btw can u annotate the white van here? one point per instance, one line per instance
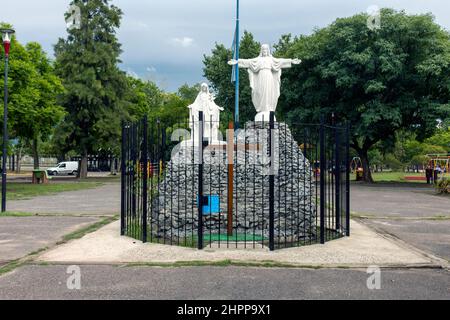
(64, 168)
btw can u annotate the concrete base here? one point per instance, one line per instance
(362, 249)
(263, 117)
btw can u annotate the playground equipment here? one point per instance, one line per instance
(440, 165)
(357, 167)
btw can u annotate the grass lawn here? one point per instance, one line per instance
(20, 191)
(396, 176)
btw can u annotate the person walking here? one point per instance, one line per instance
(429, 174)
(437, 173)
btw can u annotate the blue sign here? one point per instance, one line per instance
(211, 204)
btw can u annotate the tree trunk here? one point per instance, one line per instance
(366, 166)
(111, 163)
(19, 160)
(83, 169)
(35, 153)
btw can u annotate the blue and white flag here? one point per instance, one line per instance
(233, 48)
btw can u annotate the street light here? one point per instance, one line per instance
(6, 37)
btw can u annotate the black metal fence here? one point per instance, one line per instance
(269, 185)
(103, 163)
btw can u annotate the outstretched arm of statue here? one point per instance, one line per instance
(243, 63)
(287, 63)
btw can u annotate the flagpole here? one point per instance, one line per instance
(236, 114)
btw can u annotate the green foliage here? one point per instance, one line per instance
(383, 81)
(172, 110)
(95, 87)
(392, 162)
(189, 93)
(143, 97)
(33, 88)
(441, 139)
(376, 157)
(380, 81)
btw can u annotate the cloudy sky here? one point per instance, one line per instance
(165, 40)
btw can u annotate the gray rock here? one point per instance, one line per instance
(175, 199)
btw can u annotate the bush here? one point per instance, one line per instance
(443, 186)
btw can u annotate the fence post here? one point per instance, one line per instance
(134, 171)
(271, 185)
(200, 182)
(145, 182)
(322, 180)
(347, 180)
(230, 194)
(122, 181)
(337, 180)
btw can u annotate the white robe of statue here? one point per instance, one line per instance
(265, 80)
(211, 116)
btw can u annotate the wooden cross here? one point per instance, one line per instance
(231, 148)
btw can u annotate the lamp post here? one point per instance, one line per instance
(6, 37)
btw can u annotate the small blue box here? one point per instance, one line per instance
(212, 206)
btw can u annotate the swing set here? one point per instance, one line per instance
(356, 166)
(441, 163)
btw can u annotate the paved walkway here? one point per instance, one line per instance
(109, 282)
(61, 214)
(24, 235)
(398, 200)
(413, 213)
(104, 200)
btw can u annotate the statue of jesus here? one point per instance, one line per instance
(265, 80)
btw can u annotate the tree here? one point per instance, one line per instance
(38, 120)
(95, 87)
(382, 81)
(218, 72)
(441, 138)
(33, 108)
(189, 93)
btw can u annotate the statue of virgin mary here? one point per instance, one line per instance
(211, 116)
(265, 80)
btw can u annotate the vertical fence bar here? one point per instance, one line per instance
(337, 180)
(322, 181)
(200, 182)
(145, 183)
(271, 185)
(122, 182)
(347, 182)
(164, 181)
(133, 179)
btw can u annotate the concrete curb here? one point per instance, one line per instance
(365, 248)
(247, 264)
